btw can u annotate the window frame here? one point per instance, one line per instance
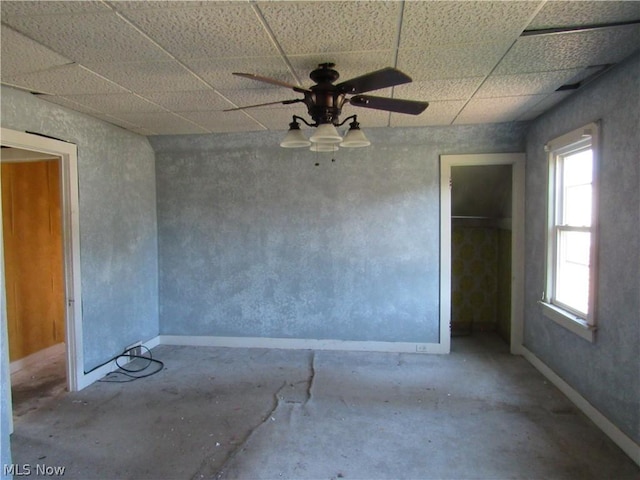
(565, 315)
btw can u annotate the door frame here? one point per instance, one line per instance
(517, 161)
(68, 157)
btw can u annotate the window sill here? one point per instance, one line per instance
(569, 321)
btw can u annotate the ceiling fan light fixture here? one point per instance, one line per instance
(324, 147)
(355, 138)
(294, 137)
(326, 133)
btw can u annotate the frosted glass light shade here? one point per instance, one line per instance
(324, 147)
(355, 138)
(326, 133)
(295, 139)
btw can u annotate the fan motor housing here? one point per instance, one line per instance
(325, 101)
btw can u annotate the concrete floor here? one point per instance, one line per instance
(221, 413)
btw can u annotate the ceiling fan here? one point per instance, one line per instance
(324, 100)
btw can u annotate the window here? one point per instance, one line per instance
(571, 238)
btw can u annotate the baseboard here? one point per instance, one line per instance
(629, 447)
(88, 378)
(302, 344)
(38, 357)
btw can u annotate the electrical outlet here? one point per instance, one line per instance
(134, 350)
(422, 348)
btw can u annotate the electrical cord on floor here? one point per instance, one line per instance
(130, 374)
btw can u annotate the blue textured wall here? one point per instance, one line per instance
(118, 229)
(607, 372)
(257, 241)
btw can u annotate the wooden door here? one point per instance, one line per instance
(32, 228)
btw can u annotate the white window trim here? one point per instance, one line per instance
(584, 327)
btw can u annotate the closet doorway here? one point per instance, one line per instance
(482, 243)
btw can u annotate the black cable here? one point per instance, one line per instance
(129, 372)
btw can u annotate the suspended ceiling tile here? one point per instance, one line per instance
(441, 89)
(450, 61)
(89, 37)
(64, 80)
(138, 4)
(437, 113)
(219, 72)
(15, 8)
(348, 65)
(570, 50)
(115, 103)
(22, 55)
(221, 29)
(190, 101)
(572, 13)
(525, 83)
(470, 22)
(315, 27)
(246, 97)
(66, 102)
(162, 123)
(545, 104)
(150, 76)
(278, 119)
(221, 122)
(496, 110)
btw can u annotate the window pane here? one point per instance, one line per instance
(578, 168)
(577, 206)
(572, 275)
(577, 173)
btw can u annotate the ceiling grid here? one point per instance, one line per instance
(166, 67)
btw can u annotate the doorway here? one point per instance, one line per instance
(33, 275)
(58, 159)
(482, 245)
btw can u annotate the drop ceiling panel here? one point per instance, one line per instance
(161, 123)
(219, 72)
(89, 37)
(494, 110)
(469, 22)
(317, 27)
(115, 103)
(15, 8)
(450, 61)
(190, 101)
(572, 13)
(221, 29)
(525, 83)
(22, 55)
(570, 50)
(223, 122)
(64, 80)
(150, 76)
(542, 106)
(277, 119)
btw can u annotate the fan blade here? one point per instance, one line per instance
(411, 107)
(387, 77)
(272, 81)
(283, 102)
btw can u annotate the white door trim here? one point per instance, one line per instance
(67, 152)
(517, 160)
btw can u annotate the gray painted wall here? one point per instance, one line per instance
(258, 241)
(118, 230)
(607, 372)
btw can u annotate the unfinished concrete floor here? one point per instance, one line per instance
(478, 413)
